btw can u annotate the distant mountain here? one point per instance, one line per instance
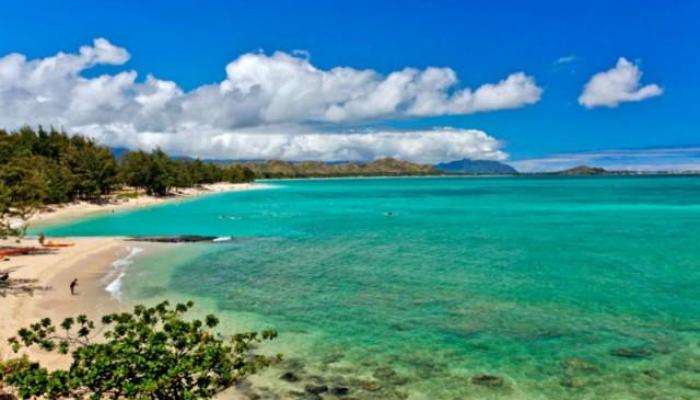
(383, 167)
(467, 166)
(582, 170)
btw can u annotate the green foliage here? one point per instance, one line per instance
(383, 167)
(94, 168)
(152, 353)
(153, 172)
(51, 167)
(40, 167)
(157, 174)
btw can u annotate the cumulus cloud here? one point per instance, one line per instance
(267, 103)
(617, 85)
(292, 142)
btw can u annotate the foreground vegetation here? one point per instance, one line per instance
(152, 353)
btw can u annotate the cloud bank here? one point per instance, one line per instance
(617, 85)
(266, 107)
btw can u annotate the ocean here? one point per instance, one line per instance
(445, 287)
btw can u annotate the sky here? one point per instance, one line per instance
(540, 84)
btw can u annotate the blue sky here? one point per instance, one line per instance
(482, 42)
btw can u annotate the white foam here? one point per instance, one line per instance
(116, 275)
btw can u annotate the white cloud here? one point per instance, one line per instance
(617, 85)
(269, 103)
(292, 142)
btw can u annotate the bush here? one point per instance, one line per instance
(152, 353)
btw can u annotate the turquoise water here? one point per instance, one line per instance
(545, 282)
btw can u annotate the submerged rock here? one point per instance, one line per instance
(292, 364)
(316, 389)
(173, 239)
(305, 396)
(387, 374)
(339, 391)
(631, 352)
(487, 380)
(289, 377)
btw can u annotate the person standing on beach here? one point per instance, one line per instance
(73, 284)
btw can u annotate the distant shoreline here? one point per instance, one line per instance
(58, 213)
(464, 175)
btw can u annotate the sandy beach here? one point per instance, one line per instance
(40, 283)
(40, 287)
(65, 212)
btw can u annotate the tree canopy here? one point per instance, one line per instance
(39, 166)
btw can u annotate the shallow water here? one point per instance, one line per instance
(576, 288)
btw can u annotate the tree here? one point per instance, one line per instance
(94, 167)
(134, 169)
(5, 211)
(182, 177)
(23, 188)
(152, 353)
(153, 172)
(61, 183)
(160, 173)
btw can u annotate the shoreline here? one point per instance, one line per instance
(40, 282)
(60, 213)
(40, 288)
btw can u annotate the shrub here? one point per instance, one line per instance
(152, 353)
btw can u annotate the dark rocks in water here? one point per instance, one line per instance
(316, 389)
(427, 368)
(339, 391)
(387, 374)
(487, 380)
(289, 377)
(292, 364)
(173, 239)
(631, 352)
